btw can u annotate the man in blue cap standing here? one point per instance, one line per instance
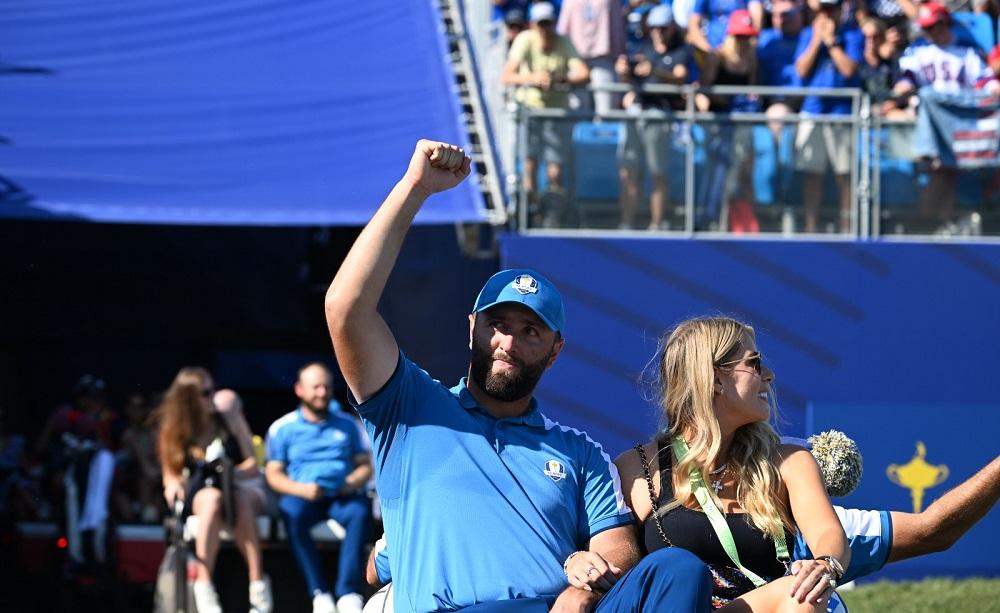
(487, 502)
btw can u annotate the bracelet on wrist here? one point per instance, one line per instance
(568, 558)
(835, 566)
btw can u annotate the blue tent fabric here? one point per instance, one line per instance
(236, 112)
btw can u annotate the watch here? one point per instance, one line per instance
(835, 565)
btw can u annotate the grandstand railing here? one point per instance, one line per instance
(878, 161)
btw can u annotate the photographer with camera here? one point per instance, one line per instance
(662, 58)
(206, 451)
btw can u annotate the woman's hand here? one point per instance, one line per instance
(173, 491)
(814, 581)
(589, 571)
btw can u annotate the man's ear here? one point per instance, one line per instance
(556, 349)
(472, 328)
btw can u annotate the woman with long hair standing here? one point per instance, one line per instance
(717, 481)
(199, 426)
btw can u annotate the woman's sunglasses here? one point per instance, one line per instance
(753, 361)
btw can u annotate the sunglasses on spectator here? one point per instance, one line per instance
(753, 361)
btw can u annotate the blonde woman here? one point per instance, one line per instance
(717, 449)
(197, 424)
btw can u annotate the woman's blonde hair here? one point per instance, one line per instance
(685, 382)
(181, 416)
(730, 52)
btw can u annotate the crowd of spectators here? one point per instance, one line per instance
(34, 474)
(888, 48)
(92, 467)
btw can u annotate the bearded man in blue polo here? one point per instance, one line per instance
(488, 503)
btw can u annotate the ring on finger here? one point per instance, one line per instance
(591, 570)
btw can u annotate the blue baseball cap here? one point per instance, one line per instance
(526, 287)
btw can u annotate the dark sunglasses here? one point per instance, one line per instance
(753, 361)
(207, 392)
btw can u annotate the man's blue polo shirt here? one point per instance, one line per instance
(825, 73)
(320, 453)
(480, 509)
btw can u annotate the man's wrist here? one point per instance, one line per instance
(415, 189)
(835, 566)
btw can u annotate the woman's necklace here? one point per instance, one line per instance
(717, 475)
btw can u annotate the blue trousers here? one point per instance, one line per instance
(669, 580)
(351, 512)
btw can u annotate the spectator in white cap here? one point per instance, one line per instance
(663, 58)
(544, 65)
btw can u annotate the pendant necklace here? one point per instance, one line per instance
(717, 476)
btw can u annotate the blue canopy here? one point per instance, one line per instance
(236, 112)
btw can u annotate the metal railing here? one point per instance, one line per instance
(866, 140)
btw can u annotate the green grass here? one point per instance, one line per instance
(929, 596)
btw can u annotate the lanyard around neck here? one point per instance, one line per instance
(718, 520)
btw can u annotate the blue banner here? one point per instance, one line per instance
(239, 112)
(914, 453)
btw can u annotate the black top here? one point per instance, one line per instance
(691, 530)
(213, 474)
(720, 104)
(674, 55)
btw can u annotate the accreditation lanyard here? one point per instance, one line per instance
(718, 520)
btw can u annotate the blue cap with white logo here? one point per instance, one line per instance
(525, 287)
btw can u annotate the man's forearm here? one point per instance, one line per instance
(280, 482)
(359, 283)
(947, 518)
(357, 478)
(804, 65)
(843, 62)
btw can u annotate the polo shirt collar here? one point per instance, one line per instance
(302, 417)
(532, 417)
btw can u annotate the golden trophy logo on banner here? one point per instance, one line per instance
(917, 476)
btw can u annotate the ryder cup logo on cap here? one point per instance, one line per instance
(555, 470)
(527, 287)
(525, 284)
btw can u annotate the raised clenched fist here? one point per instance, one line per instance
(436, 167)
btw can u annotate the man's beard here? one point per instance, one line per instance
(318, 407)
(504, 386)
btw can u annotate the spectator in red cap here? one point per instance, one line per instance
(994, 61)
(729, 147)
(947, 68)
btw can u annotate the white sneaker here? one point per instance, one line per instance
(350, 603)
(205, 598)
(261, 600)
(322, 603)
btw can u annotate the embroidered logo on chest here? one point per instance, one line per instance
(338, 436)
(555, 470)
